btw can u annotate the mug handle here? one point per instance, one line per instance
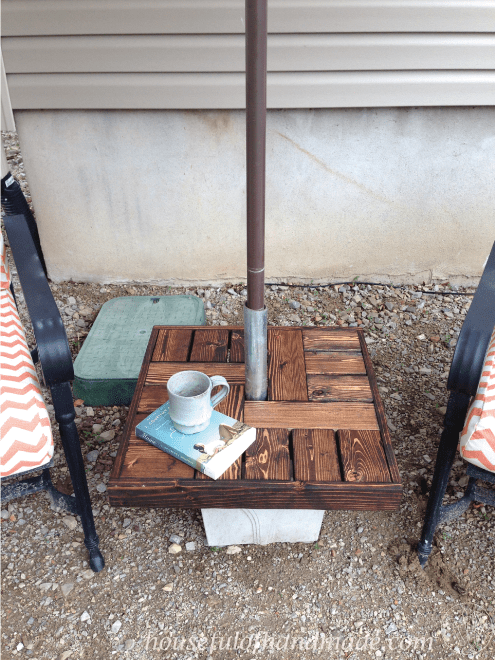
(215, 382)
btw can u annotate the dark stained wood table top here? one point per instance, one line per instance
(322, 438)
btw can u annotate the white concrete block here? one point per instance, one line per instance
(261, 526)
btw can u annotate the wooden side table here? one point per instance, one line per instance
(322, 438)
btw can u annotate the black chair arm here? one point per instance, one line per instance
(51, 338)
(477, 329)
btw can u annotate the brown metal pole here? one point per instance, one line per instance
(256, 37)
(255, 312)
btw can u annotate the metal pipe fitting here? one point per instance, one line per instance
(255, 349)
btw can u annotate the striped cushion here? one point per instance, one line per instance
(26, 439)
(4, 266)
(478, 436)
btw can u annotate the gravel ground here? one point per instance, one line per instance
(357, 593)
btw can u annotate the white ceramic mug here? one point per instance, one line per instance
(191, 403)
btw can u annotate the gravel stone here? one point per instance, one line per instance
(70, 522)
(116, 626)
(233, 550)
(67, 588)
(64, 655)
(92, 455)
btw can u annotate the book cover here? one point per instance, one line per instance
(211, 451)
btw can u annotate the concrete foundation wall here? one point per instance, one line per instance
(159, 196)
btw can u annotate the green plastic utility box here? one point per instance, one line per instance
(107, 367)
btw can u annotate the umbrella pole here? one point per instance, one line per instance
(255, 312)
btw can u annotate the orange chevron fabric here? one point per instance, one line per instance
(4, 268)
(477, 441)
(25, 435)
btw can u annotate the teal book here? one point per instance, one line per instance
(211, 451)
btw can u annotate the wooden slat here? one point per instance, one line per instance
(237, 346)
(66, 17)
(315, 455)
(131, 423)
(380, 413)
(335, 363)
(286, 369)
(142, 459)
(196, 327)
(153, 397)
(210, 345)
(195, 91)
(363, 458)
(339, 388)
(172, 345)
(300, 415)
(244, 494)
(233, 406)
(160, 372)
(331, 340)
(268, 457)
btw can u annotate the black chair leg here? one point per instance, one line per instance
(65, 414)
(454, 421)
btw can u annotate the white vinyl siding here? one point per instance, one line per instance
(285, 90)
(72, 17)
(225, 53)
(180, 54)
